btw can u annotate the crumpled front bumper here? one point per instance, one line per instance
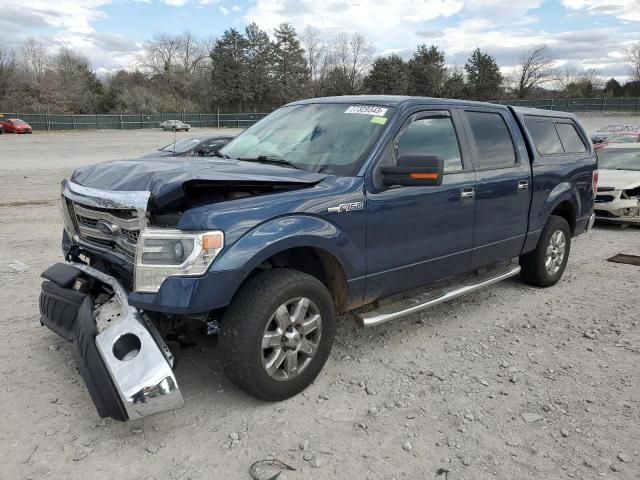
(122, 358)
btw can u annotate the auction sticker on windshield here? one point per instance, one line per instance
(367, 110)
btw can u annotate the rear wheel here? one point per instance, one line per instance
(545, 265)
(277, 334)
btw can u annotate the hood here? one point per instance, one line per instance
(619, 179)
(172, 180)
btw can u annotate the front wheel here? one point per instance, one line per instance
(277, 333)
(545, 265)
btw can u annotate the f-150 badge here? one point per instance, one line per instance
(346, 207)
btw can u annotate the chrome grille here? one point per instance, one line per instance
(123, 241)
(106, 220)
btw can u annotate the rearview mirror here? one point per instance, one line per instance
(414, 171)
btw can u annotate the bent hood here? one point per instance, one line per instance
(167, 178)
(619, 179)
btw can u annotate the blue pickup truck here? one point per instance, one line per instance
(380, 205)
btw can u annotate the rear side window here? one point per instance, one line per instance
(570, 138)
(553, 137)
(545, 137)
(494, 147)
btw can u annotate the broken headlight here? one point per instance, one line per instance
(630, 194)
(164, 253)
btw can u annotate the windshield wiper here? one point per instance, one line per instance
(220, 155)
(272, 159)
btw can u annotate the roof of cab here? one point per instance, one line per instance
(392, 101)
(539, 112)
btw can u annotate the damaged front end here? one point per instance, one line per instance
(618, 205)
(122, 358)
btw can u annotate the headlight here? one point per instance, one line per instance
(164, 253)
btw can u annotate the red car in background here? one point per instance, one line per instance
(622, 137)
(15, 125)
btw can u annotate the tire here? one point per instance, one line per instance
(255, 316)
(542, 270)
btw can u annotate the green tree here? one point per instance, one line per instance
(258, 66)
(483, 76)
(427, 72)
(290, 68)
(454, 86)
(229, 70)
(388, 75)
(613, 88)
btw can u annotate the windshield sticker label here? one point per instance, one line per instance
(379, 120)
(367, 110)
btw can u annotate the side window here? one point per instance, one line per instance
(494, 146)
(570, 138)
(545, 137)
(431, 136)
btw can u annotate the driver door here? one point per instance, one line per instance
(421, 234)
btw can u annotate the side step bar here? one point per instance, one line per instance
(425, 300)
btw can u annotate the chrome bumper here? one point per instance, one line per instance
(137, 359)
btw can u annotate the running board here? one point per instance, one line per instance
(429, 299)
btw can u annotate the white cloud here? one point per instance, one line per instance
(236, 8)
(627, 10)
(70, 15)
(176, 3)
(224, 10)
(372, 17)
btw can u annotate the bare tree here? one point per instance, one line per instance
(534, 69)
(315, 49)
(178, 60)
(8, 70)
(633, 57)
(352, 55)
(34, 60)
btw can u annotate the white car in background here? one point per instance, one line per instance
(175, 125)
(618, 196)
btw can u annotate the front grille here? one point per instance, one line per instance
(604, 198)
(109, 229)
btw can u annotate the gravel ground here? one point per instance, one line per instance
(511, 382)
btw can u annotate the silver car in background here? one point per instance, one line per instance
(174, 125)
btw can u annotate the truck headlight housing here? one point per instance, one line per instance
(163, 253)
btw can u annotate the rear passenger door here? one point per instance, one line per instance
(503, 182)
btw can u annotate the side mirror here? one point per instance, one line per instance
(415, 171)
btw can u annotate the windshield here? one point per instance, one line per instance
(328, 138)
(619, 159)
(18, 122)
(183, 145)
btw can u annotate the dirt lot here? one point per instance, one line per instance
(512, 382)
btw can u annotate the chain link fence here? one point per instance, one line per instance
(576, 105)
(54, 121)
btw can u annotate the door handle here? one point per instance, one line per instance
(523, 184)
(467, 192)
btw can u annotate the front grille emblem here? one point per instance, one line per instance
(108, 228)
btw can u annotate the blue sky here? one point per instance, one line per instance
(580, 33)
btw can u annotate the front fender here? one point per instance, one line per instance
(287, 232)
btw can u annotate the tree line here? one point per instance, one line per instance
(249, 70)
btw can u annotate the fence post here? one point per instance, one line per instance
(218, 117)
(637, 103)
(73, 122)
(120, 120)
(238, 119)
(200, 119)
(48, 121)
